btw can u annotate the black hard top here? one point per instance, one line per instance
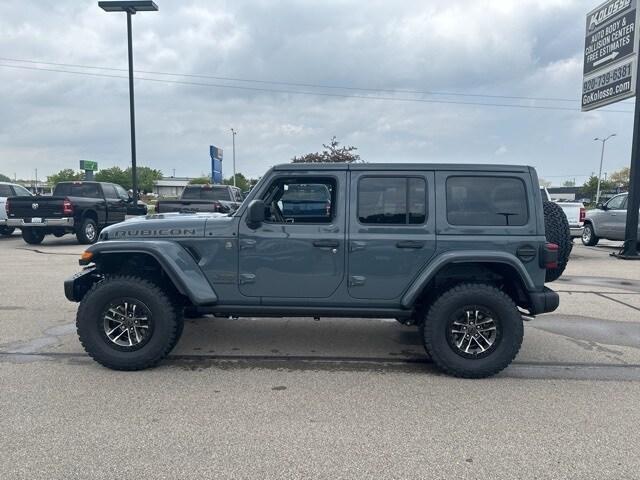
(477, 167)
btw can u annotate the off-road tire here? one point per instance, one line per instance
(557, 231)
(179, 328)
(6, 231)
(164, 315)
(470, 295)
(32, 236)
(589, 238)
(87, 233)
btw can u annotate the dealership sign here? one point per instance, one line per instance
(610, 51)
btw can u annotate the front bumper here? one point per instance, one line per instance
(77, 286)
(66, 222)
(543, 302)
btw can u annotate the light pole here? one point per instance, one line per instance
(131, 7)
(233, 135)
(603, 140)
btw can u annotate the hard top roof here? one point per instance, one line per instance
(472, 167)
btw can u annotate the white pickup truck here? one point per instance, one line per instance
(574, 211)
(8, 190)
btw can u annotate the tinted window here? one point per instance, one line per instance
(110, 191)
(21, 191)
(617, 203)
(206, 193)
(5, 191)
(486, 201)
(392, 200)
(87, 190)
(122, 193)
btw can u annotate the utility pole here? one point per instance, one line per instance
(603, 140)
(36, 186)
(233, 135)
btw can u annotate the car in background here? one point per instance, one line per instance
(607, 221)
(81, 208)
(574, 211)
(305, 203)
(203, 199)
(8, 190)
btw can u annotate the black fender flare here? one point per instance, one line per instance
(416, 288)
(176, 262)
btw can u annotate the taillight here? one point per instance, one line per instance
(67, 207)
(583, 214)
(6, 206)
(551, 255)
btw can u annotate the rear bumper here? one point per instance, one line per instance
(46, 222)
(543, 302)
(576, 231)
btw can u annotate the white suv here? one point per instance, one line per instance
(8, 190)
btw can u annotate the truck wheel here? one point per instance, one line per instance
(127, 323)
(589, 237)
(557, 231)
(88, 231)
(7, 231)
(32, 236)
(473, 331)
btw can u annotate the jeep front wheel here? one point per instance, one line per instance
(473, 331)
(127, 323)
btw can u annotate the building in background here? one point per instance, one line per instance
(170, 186)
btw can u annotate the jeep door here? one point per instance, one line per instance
(295, 256)
(391, 231)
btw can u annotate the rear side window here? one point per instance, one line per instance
(86, 190)
(21, 191)
(109, 191)
(486, 201)
(5, 191)
(392, 200)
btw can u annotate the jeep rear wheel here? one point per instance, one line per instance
(127, 323)
(473, 331)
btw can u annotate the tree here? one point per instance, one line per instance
(4, 178)
(569, 183)
(114, 175)
(65, 175)
(242, 182)
(200, 181)
(544, 183)
(146, 178)
(332, 153)
(590, 187)
(620, 178)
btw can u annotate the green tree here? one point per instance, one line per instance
(200, 181)
(4, 178)
(146, 178)
(332, 153)
(115, 175)
(242, 182)
(590, 187)
(65, 175)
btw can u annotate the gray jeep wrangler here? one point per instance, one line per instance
(458, 250)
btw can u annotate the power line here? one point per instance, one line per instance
(307, 93)
(294, 84)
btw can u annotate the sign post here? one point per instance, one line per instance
(611, 58)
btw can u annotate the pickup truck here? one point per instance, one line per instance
(82, 208)
(8, 190)
(574, 211)
(203, 198)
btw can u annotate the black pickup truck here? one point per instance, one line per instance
(203, 198)
(82, 208)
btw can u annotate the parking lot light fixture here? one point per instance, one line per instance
(130, 7)
(603, 140)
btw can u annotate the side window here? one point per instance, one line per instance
(122, 193)
(392, 200)
(21, 191)
(89, 190)
(617, 203)
(300, 200)
(110, 192)
(5, 191)
(486, 201)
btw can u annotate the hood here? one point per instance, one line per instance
(164, 225)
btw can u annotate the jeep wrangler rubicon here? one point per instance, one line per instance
(458, 250)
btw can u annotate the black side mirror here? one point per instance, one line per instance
(255, 213)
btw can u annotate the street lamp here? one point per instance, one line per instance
(603, 140)
(233, 134)
(130, 7)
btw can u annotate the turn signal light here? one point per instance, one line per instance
(86, 257)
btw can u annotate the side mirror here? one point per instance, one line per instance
(255, 213)
(601, 206)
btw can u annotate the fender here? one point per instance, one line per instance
(470, 256)
(177, 263)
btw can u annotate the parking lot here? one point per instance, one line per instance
(296, 398)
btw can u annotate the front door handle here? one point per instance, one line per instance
(410, 244)
(326, 243)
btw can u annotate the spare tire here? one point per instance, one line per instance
(557, 231)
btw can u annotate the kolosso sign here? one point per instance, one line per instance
(610, 51)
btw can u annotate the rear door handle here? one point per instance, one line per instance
(326, 243)
(410, 244)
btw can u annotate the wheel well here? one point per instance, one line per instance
(501, 275)
(140, 265)
(90, 214)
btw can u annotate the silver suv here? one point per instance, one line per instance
(607, 221)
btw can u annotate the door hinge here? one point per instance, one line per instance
(247, 278)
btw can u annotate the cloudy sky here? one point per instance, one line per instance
(394, 79)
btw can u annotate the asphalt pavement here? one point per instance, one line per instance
(334, 398)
